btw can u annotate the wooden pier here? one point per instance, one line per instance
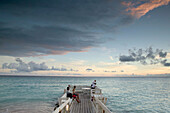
(67, 105)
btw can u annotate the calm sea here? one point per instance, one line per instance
(125, 95)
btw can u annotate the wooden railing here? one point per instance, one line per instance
(99, 101)
(63, 103)
(62, 107)
(100, 107)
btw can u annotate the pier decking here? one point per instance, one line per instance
(67, 105)
(84, 107)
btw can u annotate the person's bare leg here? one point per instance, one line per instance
(77, 100)
(92, 98)
(78, 96)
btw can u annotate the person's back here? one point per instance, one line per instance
(93, 85)
(68, 93)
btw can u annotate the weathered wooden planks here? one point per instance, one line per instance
(84, 107)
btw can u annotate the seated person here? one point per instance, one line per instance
(93, 85)
(75, 95)
(68, 93)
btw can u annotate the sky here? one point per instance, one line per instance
(85, 37)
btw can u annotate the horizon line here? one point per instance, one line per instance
(137, 76)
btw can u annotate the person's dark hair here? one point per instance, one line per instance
(74, 86)
(68, 88)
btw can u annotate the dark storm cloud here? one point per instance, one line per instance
(21, 66)
(148, 56)
(41, 27)
(44, 40)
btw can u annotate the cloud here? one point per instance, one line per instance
(109, 71)
(21, 66)
(166, 64)
(44, 40)
(18, 60)
(122, 71)
(148, 56)
(124, 58)
(37, 28)
(89, 70)
(63, 69)
(162, 54)
(141, 7)
(10, 66)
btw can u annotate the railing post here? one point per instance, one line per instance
(105, 101)
(100, 108)
(67, 108)
(59, 101)
(63, 110)
(97, 107)
(65, 90)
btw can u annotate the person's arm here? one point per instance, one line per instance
(73, 91)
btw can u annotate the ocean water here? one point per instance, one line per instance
(125, 95)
